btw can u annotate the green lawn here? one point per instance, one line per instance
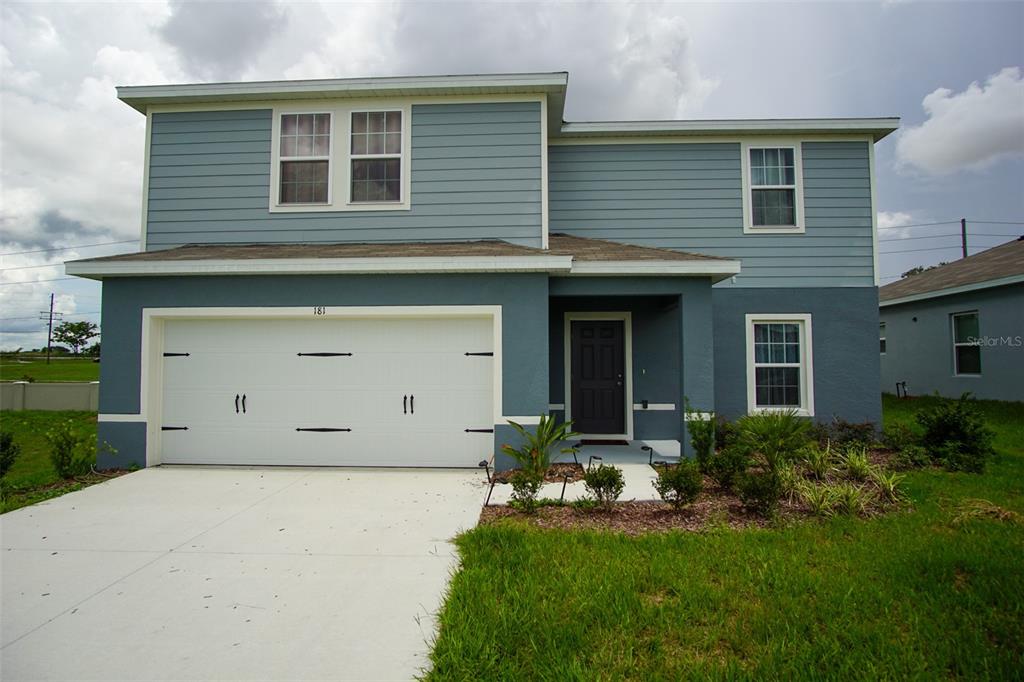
(32, 478)
(59, 369)
(907, 595)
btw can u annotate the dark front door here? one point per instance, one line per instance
(598, 376)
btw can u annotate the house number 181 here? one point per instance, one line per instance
(319, 310)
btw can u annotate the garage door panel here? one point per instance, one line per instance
(392, 359)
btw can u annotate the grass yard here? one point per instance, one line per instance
(32, 478)
(905, 595)
(59, 369)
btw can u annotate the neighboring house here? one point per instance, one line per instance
(957, 328)
(384, 271)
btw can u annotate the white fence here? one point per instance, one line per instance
(71, 395)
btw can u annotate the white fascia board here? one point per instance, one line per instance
(139, 97)
(877, 127)
(320, 266)
(1002, 281)
(717, 269)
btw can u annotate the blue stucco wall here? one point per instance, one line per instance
(844, 325)
(689, 196)
(919, 345)
(523, 298)
(476, 172)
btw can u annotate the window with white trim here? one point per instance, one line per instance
(773, 186)
(966, 348)
(376, 157)
(305, 159)
(881, 338)
(779, 370)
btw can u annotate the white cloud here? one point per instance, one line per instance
(889, 219)
(970, 129)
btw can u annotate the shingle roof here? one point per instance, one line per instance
(997, 263)
(579, 248)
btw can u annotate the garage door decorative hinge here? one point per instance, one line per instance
(487, 354)
(479, 430)
(322, 429)
(323, 355)
(174, 428)
(176, 355)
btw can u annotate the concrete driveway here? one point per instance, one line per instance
(209, 573)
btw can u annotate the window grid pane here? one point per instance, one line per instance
(305, 135)
(304, 182)
(777, 366)
(377, 134)
(772, 167)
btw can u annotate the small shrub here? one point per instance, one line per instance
(27, 377)
(584, 504)
(855, 463)
(679, 485)
(888, 484)
(702, 434)
(725, 433)
(850, 499)
(759, 490)
(911, 457)
(605, 484)
(535, 452)
(776, 435)
(819, 499)
(789, 481)
(726, 464)
(818, 460)
(899, 437)
(71, 452)
(9, 451)
(973, 509)
(956, 433)
(842, 433)
(525, 487)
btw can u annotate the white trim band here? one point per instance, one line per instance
(122, 418)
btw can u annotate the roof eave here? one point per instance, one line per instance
(878, 128)
(949, 291)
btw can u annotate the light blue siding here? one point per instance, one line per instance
(689, 197)
(476, 174)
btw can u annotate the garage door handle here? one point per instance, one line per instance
(405, 406)
(236, 403)
(412, 405)
(243, 403)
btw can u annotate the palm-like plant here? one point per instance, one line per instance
(534, 455)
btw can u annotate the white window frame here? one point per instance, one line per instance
(955, 345)
(806, 408)
(350, 157)
(340, 164)
(748, 198)
(282, 159)
(881, 338)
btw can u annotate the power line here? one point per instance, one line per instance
(934, 248)
(943, 236)
(900, 227)
(30, 267)
(68, 248)
(11, 319)
(997, 222)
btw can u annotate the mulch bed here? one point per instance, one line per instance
(556, 473)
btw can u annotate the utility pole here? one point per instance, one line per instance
(963, 235)
(44, 315)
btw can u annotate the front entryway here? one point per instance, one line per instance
(598, 376)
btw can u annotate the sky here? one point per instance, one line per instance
(71, 154)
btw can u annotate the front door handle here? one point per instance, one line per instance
(236, 403)
(243, 403)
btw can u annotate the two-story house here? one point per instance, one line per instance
(384, 271)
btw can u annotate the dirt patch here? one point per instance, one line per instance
(556, 473)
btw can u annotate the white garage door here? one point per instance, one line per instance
(328, 392)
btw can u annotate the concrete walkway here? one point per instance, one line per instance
(206, 573)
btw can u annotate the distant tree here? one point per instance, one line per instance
(93, 351)
(919, 269)
(75, 334)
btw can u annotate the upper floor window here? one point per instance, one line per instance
(773, 192)
(376, 156)
(881, 338)
(779, 363)
(966, 346)
(341, 156)
(305, 158)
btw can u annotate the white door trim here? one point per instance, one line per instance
(151, 369)
(627, 323)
